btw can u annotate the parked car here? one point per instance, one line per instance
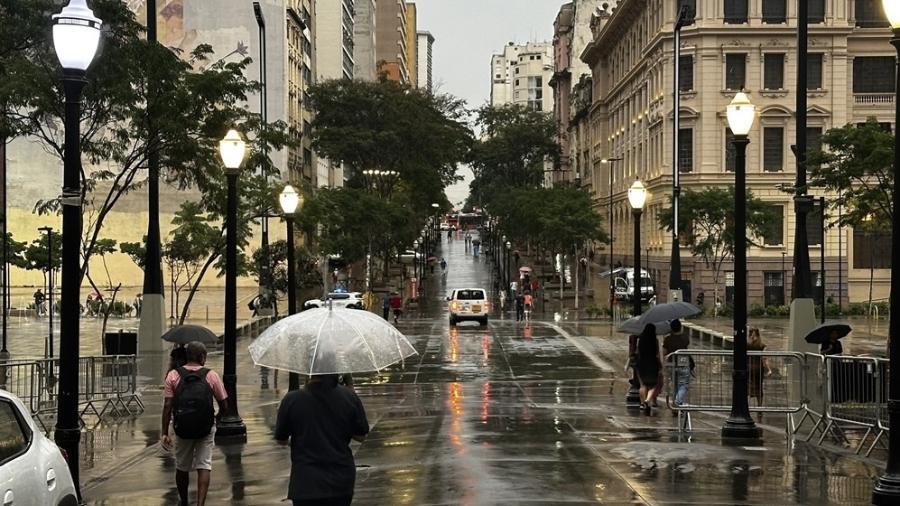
(445, 226)
(624, 283)
(33, 471)
(349, 300)
(468, 304)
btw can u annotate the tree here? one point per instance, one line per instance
(707, 220)
(516, 144)
(305, 265)
(36, 256)
(858, 168)
(103, 247)
(130, 81)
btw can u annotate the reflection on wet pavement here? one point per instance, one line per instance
(504, 414)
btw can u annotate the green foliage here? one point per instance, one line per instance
(136, 251)
(597, 311)
(305, 265)
(858, 166)
(15, 252)
(36, 256)
(707, 218)
(516, 143)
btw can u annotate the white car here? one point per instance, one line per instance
(349, 300)
(468, 304)
(33, 471)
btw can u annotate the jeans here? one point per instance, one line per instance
(682, 381)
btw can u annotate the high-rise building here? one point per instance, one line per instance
(521, 75)
(850, 71)
(390, 39)
(334, 39)
(412, 44)
(299, 44)
(364, 29)
(425, 43)
(571, 33)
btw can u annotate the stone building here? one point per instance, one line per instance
(521, 75)
(391, 38)
(425, 41)
(733, 45)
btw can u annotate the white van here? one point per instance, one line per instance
(624, 283)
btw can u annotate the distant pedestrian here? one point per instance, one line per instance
(502, 300)
(476, 247)
(757, 364)
(189, 392)
(386, 306)
(701, 298)
(649, 366)
(318, 421)
(520, 307)
(443, 266)
(528, 304)
(833, 345)
(39, 308)
(177, 357)
(138, 304)
(675, 341)
(397, 306)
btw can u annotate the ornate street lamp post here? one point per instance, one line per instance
(637, 197)
(76, 35)
(49, 231)
(508, 274)
(612, 278)
(741, 114)
(232, 149)
(290, 200)
(887, 488)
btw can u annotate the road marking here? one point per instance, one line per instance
(601, 364)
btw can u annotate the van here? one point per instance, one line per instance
(624, 285)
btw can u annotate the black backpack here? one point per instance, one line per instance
(193, 405)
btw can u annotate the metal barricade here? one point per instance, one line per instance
(709, 385)
(855, 394)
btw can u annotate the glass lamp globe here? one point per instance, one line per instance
(892, 11)
(637, 195)
(232, 149)
(741, 114)
(76, 35)
(290, 200)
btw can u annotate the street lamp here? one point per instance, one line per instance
(416, 259)
(685, 17)
(612, 279)
(740, 113)
(76, 35)
(887, 488)
(637, 197)
(508, 280)
(290, 200)
(232, 149)
(49, 231)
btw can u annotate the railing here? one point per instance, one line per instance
(107, 386)
(873, 98)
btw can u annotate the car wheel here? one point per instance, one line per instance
(69, 500)
(452, 321)
(483, 321)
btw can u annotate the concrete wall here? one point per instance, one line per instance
(364, 27)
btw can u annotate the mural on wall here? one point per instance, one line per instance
(170, 23)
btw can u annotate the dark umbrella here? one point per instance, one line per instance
(820, 334)
(184, 334)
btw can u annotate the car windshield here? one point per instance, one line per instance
(470, 295)
(338, 296)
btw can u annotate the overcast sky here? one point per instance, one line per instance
(467, 33)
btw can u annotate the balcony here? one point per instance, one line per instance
(873, 99)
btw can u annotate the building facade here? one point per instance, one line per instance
(364, 28)
(734, 45)
(425, 43)
(390, 39)
(412, 44)
(521, 75)
(334, 39)
(571, 34)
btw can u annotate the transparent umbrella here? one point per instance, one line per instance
(331, 341)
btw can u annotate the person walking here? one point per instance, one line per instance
(649, 366)
(757, 364)
(318, 421)
(502, 301)
(528, 304)
(443, 266)
(675, 341)
(397, 306)
(520, 307)
(386, 306)
(189, 392)
(833, 345)
(39, 298)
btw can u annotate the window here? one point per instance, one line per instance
(774, 233)
(14, 435)
(871, 249)
(730, 152)
(814, 71)
(686, 73)
(870, 14)
(873, 74)
(773, 71)
(735, 71)
(884, 126)
(773, 288)
(814, 224)
(813, 142)
(816, 11)
(517, 82)
(470, 295)
(685, 149)
(729, 287)
(774, 11)
(735, 11)
(773, 149)
(691, 10)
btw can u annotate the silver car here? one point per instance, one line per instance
(349, 300)
(33, 471)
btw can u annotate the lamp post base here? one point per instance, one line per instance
(741, 428)
(887, 490)
(231, 429)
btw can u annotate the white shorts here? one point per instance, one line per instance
(191, 454)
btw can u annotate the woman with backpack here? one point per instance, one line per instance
(649, 366)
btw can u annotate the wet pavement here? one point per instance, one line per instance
(507, 414)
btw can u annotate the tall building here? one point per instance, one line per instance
(850, 78)
(521, 75)
(412, 44)
(300, 19)
(571, 33)
(334, 39)
(390, 39)
(364, 29)
(425, 43)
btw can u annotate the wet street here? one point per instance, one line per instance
(504, 414)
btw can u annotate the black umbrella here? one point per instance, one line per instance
(184, 334)
(820, 334)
